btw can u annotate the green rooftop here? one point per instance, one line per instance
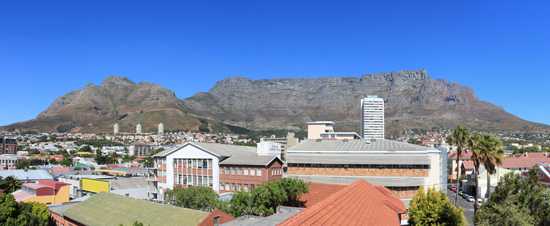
(106, 209)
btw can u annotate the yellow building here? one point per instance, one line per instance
(43, 191)
(94, 185)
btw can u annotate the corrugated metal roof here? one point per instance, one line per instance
(237, 155)
(365, 159)
(108, 208)
(229, 154)
(282, 214)
(26, 174)
(356, 145)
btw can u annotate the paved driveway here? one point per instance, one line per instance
(468, 207)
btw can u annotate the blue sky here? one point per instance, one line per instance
(499, 48)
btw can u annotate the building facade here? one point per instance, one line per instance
(372, 118)
(8, 146)
(222, 167)
(315, 129)
(401, 167)
(43, 191)
(9, 161)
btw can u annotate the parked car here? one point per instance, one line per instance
(470, 198)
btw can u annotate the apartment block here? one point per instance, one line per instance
(372, 118)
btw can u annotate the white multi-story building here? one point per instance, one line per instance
(116, 129)
(372, 118)
(222, 167)
(161, 129)
(139, 128)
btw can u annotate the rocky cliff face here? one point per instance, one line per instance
(413, 100)
(117, 99)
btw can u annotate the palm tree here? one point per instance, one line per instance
(486, 151)
(474, 144)
(492, 154)
(458, 138)
(10, 184)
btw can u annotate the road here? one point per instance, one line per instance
(468, 207)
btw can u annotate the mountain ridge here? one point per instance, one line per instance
(413, 100)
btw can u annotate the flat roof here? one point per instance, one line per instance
(108, 208)
(379, 145)
(320, 122)
(26, 174)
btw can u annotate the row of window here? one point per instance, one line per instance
(193, 180)
(194, 163)
(236, 187)
(410, 188)
(368, 166)
(276, 171)
(241, 171)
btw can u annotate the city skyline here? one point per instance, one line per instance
(50, 49)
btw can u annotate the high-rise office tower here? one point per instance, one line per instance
(372, 118)
(161, 129)
(138, 128)
(115, 129)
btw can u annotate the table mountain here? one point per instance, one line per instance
(413, 100)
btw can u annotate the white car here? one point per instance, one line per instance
(470, 199)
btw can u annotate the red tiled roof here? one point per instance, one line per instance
(318, 192)
(528, 160)
(468, 164)
(357, 204)
(51, 184)
(60, 169)
(463, 155)
(223, 218)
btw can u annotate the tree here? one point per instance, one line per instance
(293, 189)
(86, 148)
(8, 208)
(487, 151)
(9, 184)
(433, 208)
(264, 200)
(23, 164)
(199, 198)
(458, 138)
(491, 154)
(12, 213)
(517, 200)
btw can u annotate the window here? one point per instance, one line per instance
(258, 172)
(245, 171)
(252, 172)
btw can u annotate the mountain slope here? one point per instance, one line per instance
(413, 100)
(117, 99)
